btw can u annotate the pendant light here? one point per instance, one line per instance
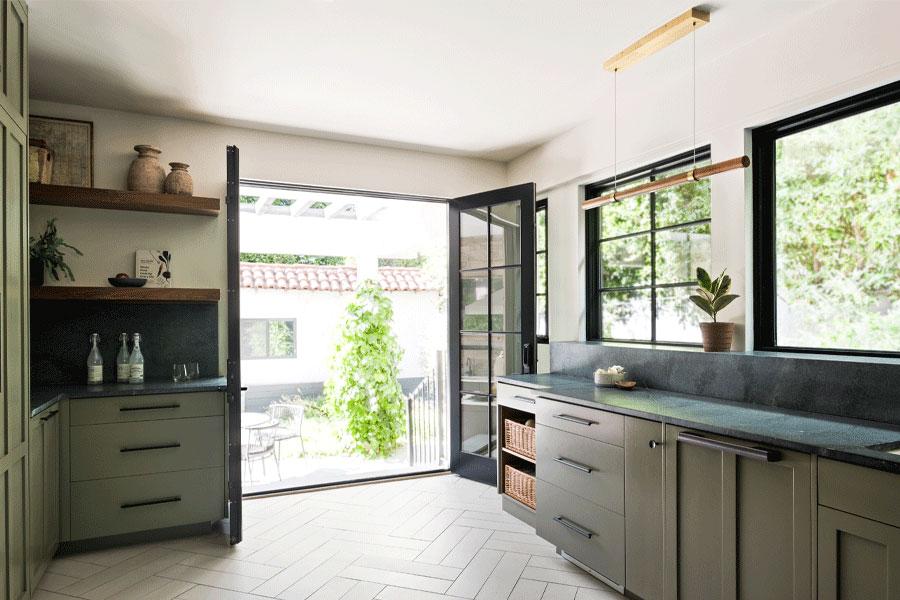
(659, 38)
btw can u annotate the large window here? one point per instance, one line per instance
(268, 338)
(542, 321)
(827, 228)
(642, 256)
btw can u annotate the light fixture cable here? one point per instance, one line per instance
(615, 131)
(694, 90)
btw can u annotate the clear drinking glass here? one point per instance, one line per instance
(180, 372)
(192, 369)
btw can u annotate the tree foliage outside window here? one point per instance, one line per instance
(837, 234)
(291, 259)
(268, 338)
(363, 386)
(646, 253)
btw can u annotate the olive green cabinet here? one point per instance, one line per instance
(859, 533)
(43, 491)
(644, 464)
(738, 521)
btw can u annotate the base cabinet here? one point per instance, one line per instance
(43, 492)
(738, 523)
(644, 464)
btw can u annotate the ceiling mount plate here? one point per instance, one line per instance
(658, 39)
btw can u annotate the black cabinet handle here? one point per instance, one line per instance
(156, 447)
(50, 416)
(157, 407)
(751, 452)
(168, 500)
(575, 465)
(578, 420)
(574, 526)
(525, 399)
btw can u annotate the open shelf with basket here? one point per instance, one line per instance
(517, 459)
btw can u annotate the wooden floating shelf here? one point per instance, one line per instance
(83, 197)
(114, 294)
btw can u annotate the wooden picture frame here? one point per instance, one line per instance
(72, 142)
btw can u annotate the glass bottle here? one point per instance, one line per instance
(94, 362)
(136, 362)
(123, 369)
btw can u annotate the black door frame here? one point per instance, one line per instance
(479, 468)
(233, 209)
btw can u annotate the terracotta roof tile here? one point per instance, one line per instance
(329, 278)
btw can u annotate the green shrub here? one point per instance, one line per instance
(363, 386)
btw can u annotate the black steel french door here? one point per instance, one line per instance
(491, 308)
(233, 211)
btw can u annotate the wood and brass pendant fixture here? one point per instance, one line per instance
(682, 25)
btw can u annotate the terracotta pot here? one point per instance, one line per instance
(145, 173)
(717, 337)
(36, 272)
(179, 181)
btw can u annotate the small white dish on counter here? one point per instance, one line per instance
(609, 377)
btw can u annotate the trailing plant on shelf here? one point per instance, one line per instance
(712, 296)
(45, 254)
(363, 386)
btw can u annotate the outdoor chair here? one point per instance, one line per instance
(260, 446)
(289, 419)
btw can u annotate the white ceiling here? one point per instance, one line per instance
(486, 78)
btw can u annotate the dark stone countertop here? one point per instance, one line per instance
(45, 396)
(830, 437)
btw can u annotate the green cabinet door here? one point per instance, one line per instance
(858, 557)
(644, 508)
(51, 484)
(738, 520)
(35, 500)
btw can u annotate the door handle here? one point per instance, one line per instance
(574, 526)
(156, 447)
(526, 358)
(578, 420)
(575, 465)
(751, 452)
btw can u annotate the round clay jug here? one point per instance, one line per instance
(179, 181)
(145, 173)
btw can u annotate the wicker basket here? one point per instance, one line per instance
(519, 485)
(519, 438)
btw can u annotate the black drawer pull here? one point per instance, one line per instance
(579, 420)
(524, 399)
(157, 407)
(152, 502)
(50, 416)
(751, 452)
(574, 527)
(157, 447)
(575, 465)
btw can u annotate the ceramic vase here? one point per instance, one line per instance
(179, 181)
(145, 173)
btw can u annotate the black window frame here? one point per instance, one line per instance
(541, 205)
(765, 324)
(268, 321)
(593, 289)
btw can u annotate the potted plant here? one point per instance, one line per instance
(45, 254)
(712, 297)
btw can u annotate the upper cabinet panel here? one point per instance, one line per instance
(14, 97)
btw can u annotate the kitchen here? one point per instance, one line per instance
(595, 449)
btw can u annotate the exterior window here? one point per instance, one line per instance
(542, 320)
(826, 223)
(268, 338)
(643, 254)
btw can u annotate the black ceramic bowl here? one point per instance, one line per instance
(127, 281)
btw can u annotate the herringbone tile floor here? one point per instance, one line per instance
(423, 539)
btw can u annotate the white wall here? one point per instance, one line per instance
(839, 50)
(109, 239)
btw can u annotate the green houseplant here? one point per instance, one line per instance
(45, 253)
(363, 386)
(712, 296)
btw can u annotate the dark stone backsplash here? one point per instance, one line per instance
(170, 333)
(846, 387)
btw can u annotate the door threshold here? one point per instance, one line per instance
(344, 484)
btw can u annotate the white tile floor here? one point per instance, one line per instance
(423, 539)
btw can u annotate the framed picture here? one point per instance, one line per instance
(72, 143)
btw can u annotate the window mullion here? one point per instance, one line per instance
(652, 263)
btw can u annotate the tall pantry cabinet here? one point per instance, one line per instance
(14, 375)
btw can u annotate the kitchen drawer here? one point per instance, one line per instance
(123, 409)
(590, 422)
(513, 396)
(860, 491)
(590, 534)
(122, 449)
(128, 504)
(591, 469)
